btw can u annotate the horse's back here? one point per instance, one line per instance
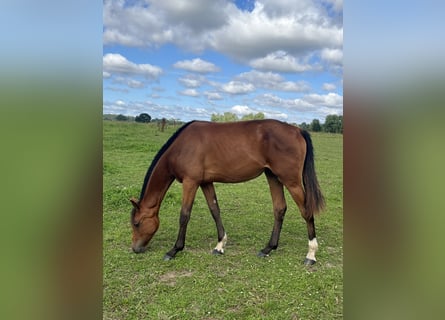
(235, 151)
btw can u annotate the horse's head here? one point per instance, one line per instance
(144, 227)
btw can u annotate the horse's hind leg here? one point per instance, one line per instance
(297, 193)
(209, 192)
(279, 209)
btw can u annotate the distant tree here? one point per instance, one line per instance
(121, 117)
(226, 117)
(333, 124)
(143, 117)
(249, 116)
(252, 116)
(230, 117)
(305, 126)
(216, 117)
(315, 125)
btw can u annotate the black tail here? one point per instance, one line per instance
(313, 199)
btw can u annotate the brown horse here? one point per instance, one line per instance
(201, 153)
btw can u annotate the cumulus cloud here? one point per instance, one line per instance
(280, 61)
(116, 63)
(242, 110)
(296, 27)
(329, 100)
(135, 84)
(198, 15)
(192, 81)
(157, 22)
(189, 92)
(237, 87)
(332, 55)
(211, 95)
(270, 36)
(269, 99)
(309, 102)
(272, 81)
(196, 65)
(329, 86)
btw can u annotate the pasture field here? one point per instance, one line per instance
(197, 284)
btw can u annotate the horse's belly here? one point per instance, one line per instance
(233, 174)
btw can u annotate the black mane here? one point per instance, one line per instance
(159, 155)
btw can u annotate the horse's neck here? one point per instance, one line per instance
(157, 186)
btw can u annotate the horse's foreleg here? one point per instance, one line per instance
(209, 192)
(279, 208)
(188, 195)
(297, 193)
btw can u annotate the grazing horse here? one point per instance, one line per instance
(201, 153)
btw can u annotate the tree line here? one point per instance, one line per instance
(333, 123)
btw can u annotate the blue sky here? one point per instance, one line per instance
(188, 59)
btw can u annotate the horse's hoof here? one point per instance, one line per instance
(261, 254)
(168, 258)
(309, 262)
(217, 252)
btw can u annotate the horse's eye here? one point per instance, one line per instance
(136, 224)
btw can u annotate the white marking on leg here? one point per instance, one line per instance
(313, 247)
(221, 244)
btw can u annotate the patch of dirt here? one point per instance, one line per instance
(170, 277)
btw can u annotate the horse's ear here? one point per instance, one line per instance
(135, 203)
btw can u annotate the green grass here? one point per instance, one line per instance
(197, 284)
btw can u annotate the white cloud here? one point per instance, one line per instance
(189, 92)
(313, 103)
(332, 55)
(272, 81)
(198, 15)
(213, 95)
(295, 27)
(329, 86)
(116, 63)
(276, 115)
(196, 65)
(126, 25)
(275, 101)
(237, 87)
(329, 100)
(242, 110)
(192, 81)
(280, 61)
(135, 84)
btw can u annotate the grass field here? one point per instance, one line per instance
(197, 284)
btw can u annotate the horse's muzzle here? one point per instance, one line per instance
(139, 249)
